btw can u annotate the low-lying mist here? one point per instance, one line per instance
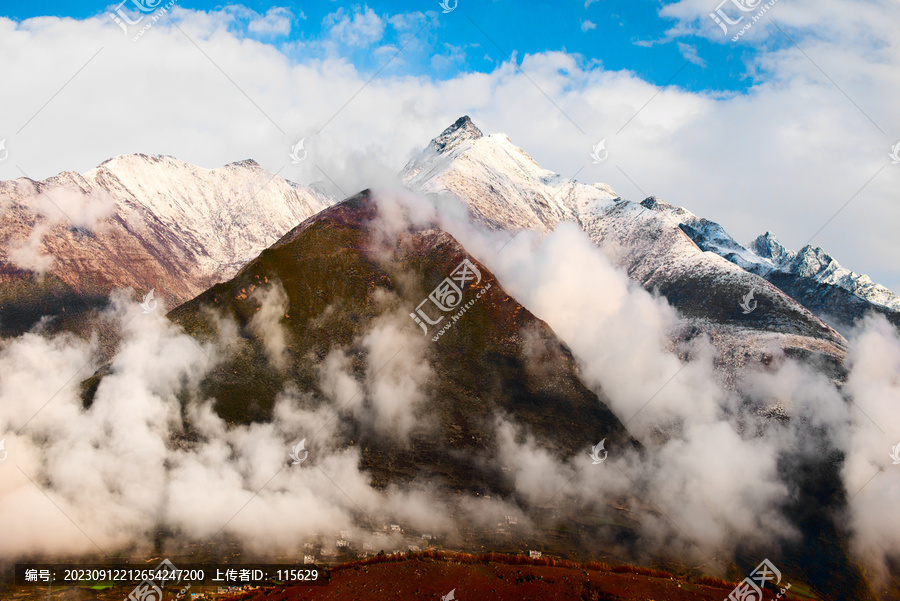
(712, 481)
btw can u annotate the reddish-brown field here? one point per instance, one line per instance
(434, 574)
(424, 577)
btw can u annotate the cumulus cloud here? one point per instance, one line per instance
(398, 372)
(708, 479)
(55, 205)
(599, 318)
(362, 27)
(390, 396)
(815, 155)
(588, 25)
(276, 21)
(117, 470)
(873, 484)
(717, 471)
(798, 162)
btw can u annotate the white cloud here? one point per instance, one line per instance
(718, 474)
(62, 204)
(690, 53)
(713, 480)
(785, 156)
(28, 254)
(266, 322)
(276, 21)
(873, 482)
(112, 469)
(588, 25)
(360, 28)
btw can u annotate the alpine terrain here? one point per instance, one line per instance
(136, 221)
(344, 379)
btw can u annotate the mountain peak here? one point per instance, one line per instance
(462, 129)
(655, 204)
(768, 247)
(136, 157)
(248, 163)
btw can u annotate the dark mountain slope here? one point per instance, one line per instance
(497, 359)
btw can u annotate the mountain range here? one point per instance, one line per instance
(690, 261)
(137, 222)
(154, 222)
(314, 288)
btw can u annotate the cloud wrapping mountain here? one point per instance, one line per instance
(722, 459)
(763, 159)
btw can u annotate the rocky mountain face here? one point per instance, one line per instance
(335, 284)
(338, 287)
(662, 247)
(756, 304)
(437, 352)
(135, 221)
(374, 329)
(811, 276)
(160, 223)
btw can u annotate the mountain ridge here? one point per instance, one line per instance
(505, 189)
(136, 221)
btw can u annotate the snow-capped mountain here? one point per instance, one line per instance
(811, 276)
(146, 222)
(160, 223)
(505, 188)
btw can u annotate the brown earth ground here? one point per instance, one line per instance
(431, 575)
(500, 578)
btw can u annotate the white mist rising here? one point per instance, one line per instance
(709, 479)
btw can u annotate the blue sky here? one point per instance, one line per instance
(620, 34)
(786, 129)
